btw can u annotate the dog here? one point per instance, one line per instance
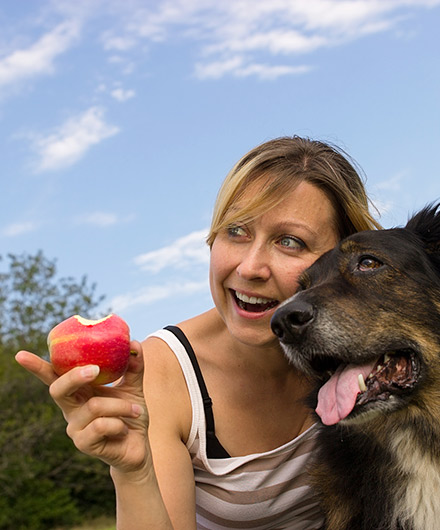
(364, 326)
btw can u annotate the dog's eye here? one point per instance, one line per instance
(368, 263)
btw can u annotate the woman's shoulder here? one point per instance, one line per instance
(205, 328)
(165, 388)
(206, 325)
(166, 359)
(159, 348)
(207, 322)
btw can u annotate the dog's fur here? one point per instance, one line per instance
(377, 292)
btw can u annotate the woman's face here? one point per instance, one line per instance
(255, 266)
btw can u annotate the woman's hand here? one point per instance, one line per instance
(108, 422)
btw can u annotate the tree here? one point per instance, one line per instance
(33, 300)
(44, 480)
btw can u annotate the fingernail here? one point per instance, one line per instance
(137, 410)
(90, 372)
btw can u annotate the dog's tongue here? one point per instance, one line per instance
(337, 397)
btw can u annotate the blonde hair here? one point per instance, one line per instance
(276, 167)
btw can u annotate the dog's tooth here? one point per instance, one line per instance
(379, 367)
(362, 385)
(386, 357)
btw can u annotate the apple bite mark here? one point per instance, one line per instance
(89, 322)
(78, 341)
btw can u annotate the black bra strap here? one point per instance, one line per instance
(214, 448)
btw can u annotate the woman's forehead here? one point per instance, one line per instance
(264, 190)
(303, 199)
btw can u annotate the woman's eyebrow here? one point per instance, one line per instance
(290, 225)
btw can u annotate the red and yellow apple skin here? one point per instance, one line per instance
(78, 342)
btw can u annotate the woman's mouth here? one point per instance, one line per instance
(253, 304)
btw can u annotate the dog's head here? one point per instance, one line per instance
(365, 322)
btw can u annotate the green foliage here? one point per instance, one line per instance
(44, 481)
(33, 300)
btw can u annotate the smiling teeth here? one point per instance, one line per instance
(252, 299)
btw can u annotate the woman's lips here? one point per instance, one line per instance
(253, 304)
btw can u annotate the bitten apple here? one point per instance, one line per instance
(78, 341)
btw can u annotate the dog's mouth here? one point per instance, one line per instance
(351, 387)
(396, 372)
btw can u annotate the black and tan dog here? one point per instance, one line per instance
(365, 325)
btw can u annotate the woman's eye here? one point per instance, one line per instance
(368, 263)
(291, 242)
(236, 231)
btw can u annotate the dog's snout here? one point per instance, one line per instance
(291, 319)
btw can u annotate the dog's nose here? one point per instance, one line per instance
(290, 320)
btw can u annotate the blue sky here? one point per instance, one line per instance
(120, 118)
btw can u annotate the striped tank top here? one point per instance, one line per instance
(264, 491)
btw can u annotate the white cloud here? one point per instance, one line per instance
(188, 250)
(244, 30)
(71, 141)
(119, 44)
(17, 229)
(122, 95)
(98, 219)
(217, 69)
(39, 58)
(275, 41)
(257, 30)
(237, 67)
(102, 219)
(384, 207)
(394, 183)
(155, 293)
(264, 71)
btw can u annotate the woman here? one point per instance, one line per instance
(283, 205)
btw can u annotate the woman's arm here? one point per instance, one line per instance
(111, 423)
(170, 413)
(139, 505)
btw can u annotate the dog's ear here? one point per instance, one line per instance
(426, 224)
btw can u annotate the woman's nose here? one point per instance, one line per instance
(254, 264)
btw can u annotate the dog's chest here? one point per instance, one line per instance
(417, 496)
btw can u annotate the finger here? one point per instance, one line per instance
(93, 439)
(99, 430)
(109, 439)
(102, 407)
(73, 388)
(36, 366)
